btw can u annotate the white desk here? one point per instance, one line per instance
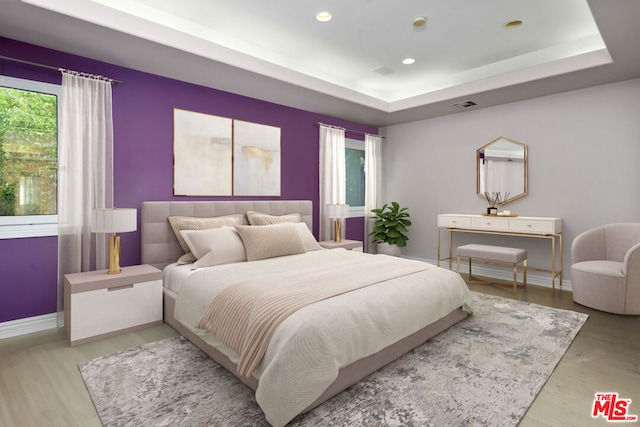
(521, 226)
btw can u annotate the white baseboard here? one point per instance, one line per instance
(534, 277)
(28, 325)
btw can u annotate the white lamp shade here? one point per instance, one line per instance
(114, 220)
(337, 211)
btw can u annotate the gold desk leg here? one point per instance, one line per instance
(561, 265)
(438, 246)
(450, 253)
(553, 264)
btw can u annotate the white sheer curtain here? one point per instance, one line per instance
(332, 174)
(85, 173)
(373, 180)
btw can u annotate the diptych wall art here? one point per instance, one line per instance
(202, 154)
(256, 159)
(219, 156)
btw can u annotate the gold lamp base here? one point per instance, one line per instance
(114, 255)
(337, 231)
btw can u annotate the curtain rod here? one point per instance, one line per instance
(348, 130)
(49, 67)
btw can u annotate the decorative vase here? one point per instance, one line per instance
(387, 249)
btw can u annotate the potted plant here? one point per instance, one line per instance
(390, 228)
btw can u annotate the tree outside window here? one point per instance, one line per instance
(355, 186)
(28, 152)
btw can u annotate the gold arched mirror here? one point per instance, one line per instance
(502, 168)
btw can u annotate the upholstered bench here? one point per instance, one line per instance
(494, 254)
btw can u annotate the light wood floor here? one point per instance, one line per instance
(40, 384)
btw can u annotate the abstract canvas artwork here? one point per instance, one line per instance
(202, 153)
(256, 156)
(219, 156)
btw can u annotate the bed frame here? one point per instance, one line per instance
(160, 248)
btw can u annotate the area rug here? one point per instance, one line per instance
(485, 370)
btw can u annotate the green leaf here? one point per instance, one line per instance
(393, 234)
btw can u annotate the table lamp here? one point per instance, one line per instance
(337, 212)
(114, 221)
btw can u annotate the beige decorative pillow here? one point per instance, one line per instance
(179, 223)
(215, 246)
(306, 237)
(187, 258)
(257, 218)
(270, 241)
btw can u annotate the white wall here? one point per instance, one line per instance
(584, 165)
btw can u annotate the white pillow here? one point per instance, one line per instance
(270, 241)
(308, 240)
(179, 223)
(215, 246)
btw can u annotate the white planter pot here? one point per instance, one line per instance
(387, 249)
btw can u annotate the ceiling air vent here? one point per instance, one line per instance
(384, 70)
(465, 104)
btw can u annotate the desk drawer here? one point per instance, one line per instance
(490, 223)
(531, 226)
(452, 221)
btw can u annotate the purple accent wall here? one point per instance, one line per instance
(143, 144)
(28, 271)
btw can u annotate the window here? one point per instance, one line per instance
(355, 187)
(28, 158)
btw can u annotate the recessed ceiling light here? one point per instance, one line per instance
(323, 16)
(513, 24)
(408, 61)
(419, 21)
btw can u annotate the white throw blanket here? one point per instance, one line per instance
(311, 345)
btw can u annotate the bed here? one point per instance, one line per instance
(307, 361)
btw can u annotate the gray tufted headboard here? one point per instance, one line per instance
(159, 244)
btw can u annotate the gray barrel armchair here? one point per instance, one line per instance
(605, 273)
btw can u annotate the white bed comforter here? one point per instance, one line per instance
(310, 346)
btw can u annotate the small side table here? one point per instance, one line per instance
(98, 305)
(345, 244)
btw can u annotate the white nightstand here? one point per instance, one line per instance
(99, 305)
(346, 244)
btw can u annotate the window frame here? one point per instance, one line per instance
(23, 226)
(355, 144)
